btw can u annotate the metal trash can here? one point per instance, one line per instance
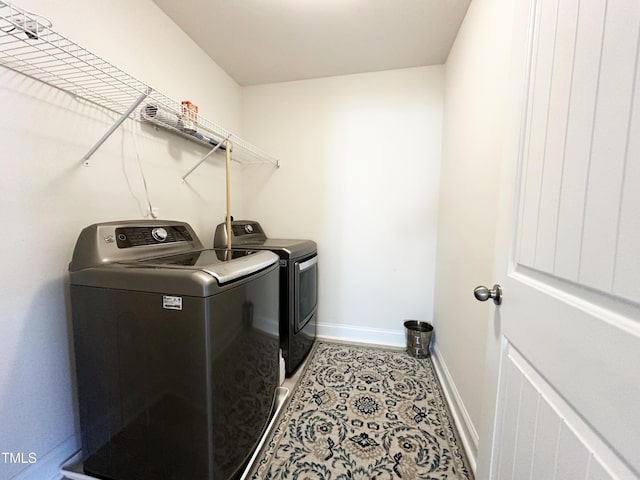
(418, 335)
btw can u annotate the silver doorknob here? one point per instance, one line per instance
(483, 294)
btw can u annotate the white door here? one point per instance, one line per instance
(567, 334)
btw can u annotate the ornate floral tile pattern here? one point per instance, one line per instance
(362, 413)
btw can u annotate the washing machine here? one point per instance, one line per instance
(298, 284)
(176, 348)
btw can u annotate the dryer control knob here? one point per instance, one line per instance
(159, 234)
(248, 228)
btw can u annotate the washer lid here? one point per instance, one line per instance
(187, 274)
(249, 235)
(223, 265)
(285, 248)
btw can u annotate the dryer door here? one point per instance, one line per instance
(305, 291)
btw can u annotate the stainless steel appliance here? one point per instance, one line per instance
(298, 284)
(176, 351)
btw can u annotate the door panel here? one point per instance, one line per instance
(616, 88)
(582, 123)
(569, 325)
(575, 170)
(588, 353)
(546, 439)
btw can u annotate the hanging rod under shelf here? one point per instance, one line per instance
(31, 47)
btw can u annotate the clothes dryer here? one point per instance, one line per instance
(298, 284)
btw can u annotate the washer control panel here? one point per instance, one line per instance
(159, 234)
(243, 232)
(240, 228)
(138, 236)
(113, 242)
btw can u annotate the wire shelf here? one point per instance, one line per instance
(29, 46)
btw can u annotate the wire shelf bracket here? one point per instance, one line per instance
(211, 152)
(30, 46)
(115, 126)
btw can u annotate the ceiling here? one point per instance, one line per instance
(266, 41)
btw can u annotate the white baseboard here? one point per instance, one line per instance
(466, 429)
(372, 336)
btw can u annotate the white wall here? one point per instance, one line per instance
(48, 196)
(474, 111)
(360, 158)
